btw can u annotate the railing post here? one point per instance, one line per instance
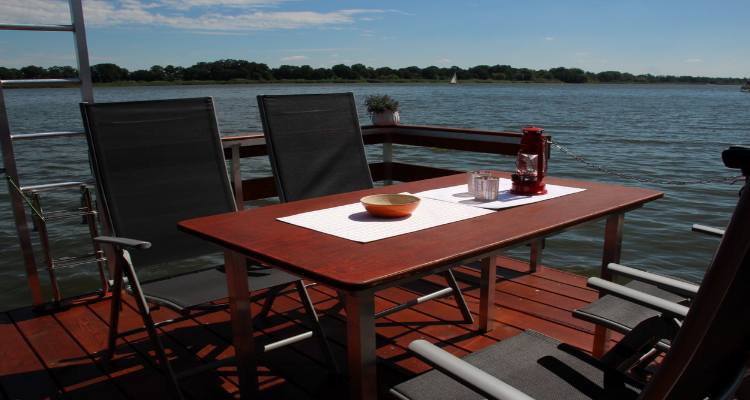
(239, 196)
(82, 51)
(19, 210)
(387, 161)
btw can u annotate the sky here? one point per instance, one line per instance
(660, 37)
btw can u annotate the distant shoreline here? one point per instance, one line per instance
(352, 81)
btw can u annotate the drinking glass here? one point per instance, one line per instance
(473, 177)
(488, 187)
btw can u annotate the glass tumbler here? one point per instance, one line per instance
(475, 176)
(488, 187)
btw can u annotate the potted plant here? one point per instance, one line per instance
(383, 109)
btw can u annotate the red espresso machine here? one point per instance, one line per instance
(531, 163)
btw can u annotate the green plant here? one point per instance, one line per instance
(379, 103)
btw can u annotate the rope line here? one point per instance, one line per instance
(723, 179)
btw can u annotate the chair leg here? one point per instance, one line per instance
(639, 342)
(316, 327)
(152, 333)
(270, 297)
(114, 313)
(459, 297)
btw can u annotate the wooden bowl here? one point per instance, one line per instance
(390, 205)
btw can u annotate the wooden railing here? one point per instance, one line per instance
(387, 170)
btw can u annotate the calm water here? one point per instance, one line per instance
(664, 132)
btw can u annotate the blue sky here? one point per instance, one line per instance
(661, 37)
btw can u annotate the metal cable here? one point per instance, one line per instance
(723, 179)
(25, 199)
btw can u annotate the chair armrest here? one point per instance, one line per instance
(676, 286)
(709, 230)
(655, 303)
(122, 242)
(465, 373)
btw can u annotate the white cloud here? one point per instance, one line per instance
(444, 61)
(317, 50)
(294, 58)
(693, 60)
(171, 13)
(187, 4)
(549, 38)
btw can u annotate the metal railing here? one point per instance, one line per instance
(17, 192)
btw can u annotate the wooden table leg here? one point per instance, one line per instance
(360, 345)
(235, 266)
(535, 254)
(610, 254)
(487, 293)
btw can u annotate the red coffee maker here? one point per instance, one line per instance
(531, 164)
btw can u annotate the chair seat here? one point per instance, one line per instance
(533, 363)
(623, 315)
(207, 285)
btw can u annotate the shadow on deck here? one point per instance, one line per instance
(58, 355)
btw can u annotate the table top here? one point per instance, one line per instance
(349, 265)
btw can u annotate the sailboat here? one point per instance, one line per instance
(453, 79)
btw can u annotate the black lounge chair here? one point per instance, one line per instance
(622, 315)
(709, 357)
(157, 163)
(315, 147)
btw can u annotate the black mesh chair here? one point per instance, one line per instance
(315, 147)
(709, 357)
(622, 316)
(157, 163)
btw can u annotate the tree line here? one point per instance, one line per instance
(228, 70)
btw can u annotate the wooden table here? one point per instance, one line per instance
(358, 270)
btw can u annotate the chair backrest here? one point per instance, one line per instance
(714, 341)
(157, 163)
(315, 144)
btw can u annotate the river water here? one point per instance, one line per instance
(663, 132)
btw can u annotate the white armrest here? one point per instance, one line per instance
(709, 230)
(664, 282)
(465, 373)
(656, 303)
(123, 242)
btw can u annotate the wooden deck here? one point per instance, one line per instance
(57, 355)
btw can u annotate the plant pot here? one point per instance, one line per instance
(385, 118)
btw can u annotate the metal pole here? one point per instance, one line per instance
(487, 293)
(360, 345)
(610, 254)
(82, 51)
(41, 226)
(19, 211)
(535, 254)
(235, 266)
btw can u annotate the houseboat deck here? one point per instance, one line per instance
(58, 355)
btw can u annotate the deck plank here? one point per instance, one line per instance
(542, 306)
(78, 375)
(196, 387)
(22, 375)
(127, 368)
(541, 301)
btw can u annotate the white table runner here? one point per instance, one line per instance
(460, 194)
(352, 222)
